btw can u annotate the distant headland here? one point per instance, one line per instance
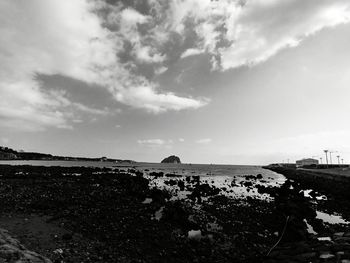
(10, 154)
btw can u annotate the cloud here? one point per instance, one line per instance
(73, 39)
(204, 141)
(191, 52)
(261, 30)
(110, 46)
(148, 98)
(49, 37)
(238, 33)
(156, 143)
(131, 17)
(151, 141)
(181, 139)
(160, 70)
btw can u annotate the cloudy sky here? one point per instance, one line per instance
(225, 81)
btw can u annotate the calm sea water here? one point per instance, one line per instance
(222, 176)
(218, 175)
(203, 170)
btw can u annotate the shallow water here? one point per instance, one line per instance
(220, 176)
(331, 219)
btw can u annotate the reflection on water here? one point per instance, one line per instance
(229, 178)
(310, 229)
(158, 214)
(331, 219)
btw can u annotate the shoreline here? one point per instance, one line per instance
(85, 214)
(112, 215)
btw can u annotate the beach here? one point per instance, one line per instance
(145, 214)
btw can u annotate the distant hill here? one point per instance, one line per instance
(171, 159)
(10, 154)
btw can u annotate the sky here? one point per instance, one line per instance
(225, 81)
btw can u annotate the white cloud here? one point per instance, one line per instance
(50, 37)
(148, 55)
(191, 52)
(181, 139)
(68, 38)
(204, 141)
(148, 98)
(241, 33)
(156, 143)
(105, 44)
(131, 16)
(160, 70)
(151, 141)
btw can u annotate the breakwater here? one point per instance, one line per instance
(332, 185)
(326, 242)
(323, 182)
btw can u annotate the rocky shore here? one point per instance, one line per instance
(318, 241)
(82, 214)
(12, 251)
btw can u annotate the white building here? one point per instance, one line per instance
(306, 161)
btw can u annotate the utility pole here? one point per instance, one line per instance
(326, 151)
(338, 159)
(342, 161)
(321, 159)
(330, 157)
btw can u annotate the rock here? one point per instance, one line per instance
(324, 257)
(171, 159)
(12, 251)
(67, 236)
(195, 234)
(304, 257)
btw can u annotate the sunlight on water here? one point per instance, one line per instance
(331, 219)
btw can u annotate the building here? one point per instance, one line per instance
(306, 161)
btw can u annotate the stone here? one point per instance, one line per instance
(11, 250)
(338, 234)
(326, 256)
(306, 256)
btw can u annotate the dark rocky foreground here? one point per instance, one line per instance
(108, 215)
(331, 242)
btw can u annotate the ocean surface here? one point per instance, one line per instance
(204, 170)
(229, 177)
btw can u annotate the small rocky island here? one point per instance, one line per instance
(171, 159)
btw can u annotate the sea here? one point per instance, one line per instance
(203, 170)
(231, 178)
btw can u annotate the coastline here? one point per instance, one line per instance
(334, 204)
(79, 214)
(92, 214)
